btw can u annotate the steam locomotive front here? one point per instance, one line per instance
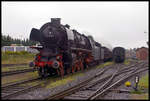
(51, 35)
(53, 39)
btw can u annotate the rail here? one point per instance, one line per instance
(81, 85)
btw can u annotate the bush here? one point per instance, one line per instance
(136, 92)
(24, 52)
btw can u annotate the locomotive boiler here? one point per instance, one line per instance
(62, 49)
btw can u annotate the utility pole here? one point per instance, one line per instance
(147, 41)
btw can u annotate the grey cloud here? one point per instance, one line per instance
(119, 23)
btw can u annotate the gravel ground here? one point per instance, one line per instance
(41, 93)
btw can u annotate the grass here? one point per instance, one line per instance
(127, 62)
(143, 82)
(105, 64)
(17, 57)
(57, 81)
(136, 92)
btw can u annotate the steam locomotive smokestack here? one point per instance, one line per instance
(56, 21)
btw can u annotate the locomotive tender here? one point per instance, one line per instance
(64, 50)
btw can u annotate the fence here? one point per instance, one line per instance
(18, 48)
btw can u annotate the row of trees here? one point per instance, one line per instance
(7, 41)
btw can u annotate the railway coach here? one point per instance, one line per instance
(119, 54)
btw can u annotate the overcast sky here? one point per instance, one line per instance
(116, 23)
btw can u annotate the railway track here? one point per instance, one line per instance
(19, 87)
(9, 65)
(11, 90)
(116, 83)
(90, 89)
(17, 72)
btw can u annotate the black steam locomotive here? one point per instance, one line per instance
(63, 50)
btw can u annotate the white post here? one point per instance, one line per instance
(25, 48)
(14, 48)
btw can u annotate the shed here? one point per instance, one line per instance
(142, 53)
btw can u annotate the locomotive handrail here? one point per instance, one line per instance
(80, 49)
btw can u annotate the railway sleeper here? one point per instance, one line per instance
(74, 98)
(78, 95)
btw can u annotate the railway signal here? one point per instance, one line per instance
(136, 83)
(128, 84)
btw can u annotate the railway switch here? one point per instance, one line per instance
(136, 83)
